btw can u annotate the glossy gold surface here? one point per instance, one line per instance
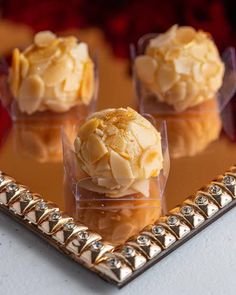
(31, 153)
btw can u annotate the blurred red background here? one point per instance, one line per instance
(123, 22)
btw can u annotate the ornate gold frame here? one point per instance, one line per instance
(119, 265)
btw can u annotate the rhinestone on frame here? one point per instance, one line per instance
(201, 200)
(229, 180)
(158, 230)
(113, 262)
(83, 235)
(172, 220)
(41, 206)
(26, 197)
(143, 240)
(128, 251)
(55, 216)
(215, 189)
(69, 226)
(96, 246)
(1, 179)
(12, 188)
(186, 210)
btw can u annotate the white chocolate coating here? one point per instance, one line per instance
(52, 74)
(182, 67)
(121, 150)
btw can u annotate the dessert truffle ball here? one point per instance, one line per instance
(182, 67)
(52, 74)
(120, 150)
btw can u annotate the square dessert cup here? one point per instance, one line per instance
(148, 101)
(88, 194)
(75, 112)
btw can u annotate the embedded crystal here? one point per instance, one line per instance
(41, 206)
(201, 200)
(172, 220)
(113, 262)
(158, 230)
(83, 235)
(12, 188)
(26, 197)
(215, 189)
(229, 180)
(128, 251)
(69, 226)
(143, 240)
(97, 246)
(55, 216)
(186, 210)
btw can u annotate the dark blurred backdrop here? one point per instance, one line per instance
(125, 21)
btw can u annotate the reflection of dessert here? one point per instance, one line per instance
(189, 134)
(115, 220)
(182, 67)
(41, 140)
(52, 74)
(120, 150)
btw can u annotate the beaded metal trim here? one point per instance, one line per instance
(119, 265)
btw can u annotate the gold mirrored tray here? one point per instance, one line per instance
(118, 244)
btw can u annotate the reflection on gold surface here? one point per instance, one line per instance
(187, 174)
(40, 139)
(115, 220)
(189, 133)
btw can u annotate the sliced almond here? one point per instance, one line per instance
(197, 73)
(43, 55)
(145, 67)
(164, 39)
(101, 114)
(172, 53)
(88, 127)
(177, 93)
(80, 52)
(199, 51)
(121, 169)
(144, 136)
(30, 94)
(103, 164)
(44, 38)
(191, 89)
(142, 186)
(151, 161)
(72, 83)
(94, 187)
(96, 148)
(107, 183)
(183, 65)
(117, 142)
(119, 194)
(39, 68)
(58, 71)
(166, 77)
(15, 72)
(24, 66)
(185, 35)
(209, 69)
(87, 83)
(68, 43)
(77, 144)
(57, 106)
